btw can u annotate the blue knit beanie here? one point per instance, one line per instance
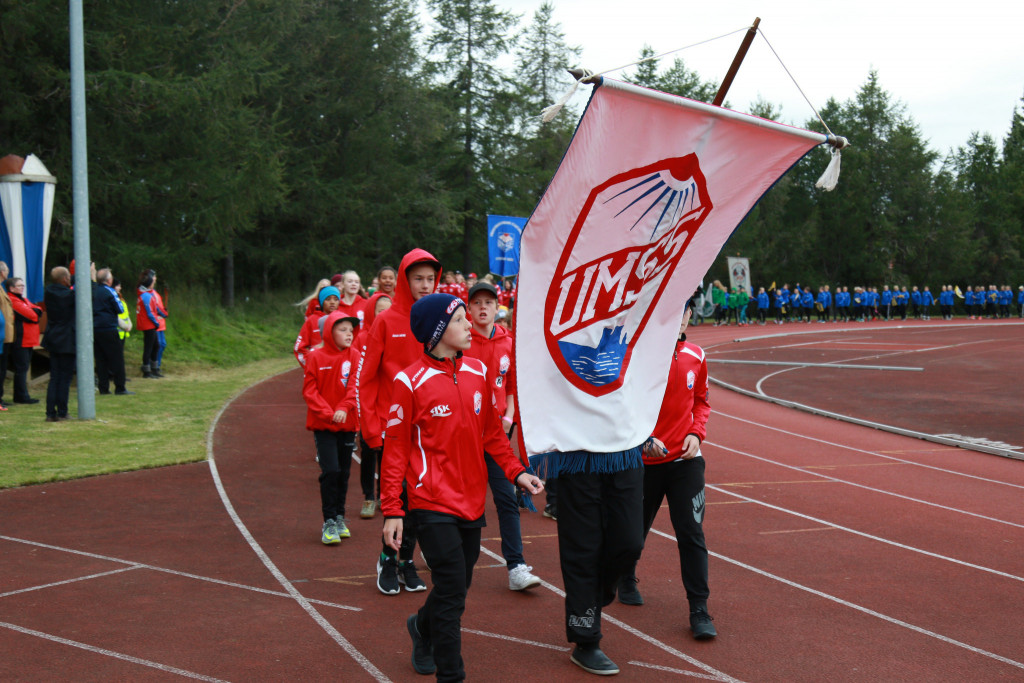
(328, 291)
(430, 316)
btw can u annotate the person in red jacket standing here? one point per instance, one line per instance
(26, 337)
(370, 457)
(674, 468)
(440, 424)
(309, 336)
(331, 415)
(390, 348)
(492, 345)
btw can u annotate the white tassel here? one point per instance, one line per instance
(551, 111)
(830, 178)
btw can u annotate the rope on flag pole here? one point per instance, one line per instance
(828, 180)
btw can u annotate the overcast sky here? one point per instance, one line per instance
(957, 67)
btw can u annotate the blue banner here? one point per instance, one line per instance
(503, 236)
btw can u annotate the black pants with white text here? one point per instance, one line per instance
(600, 536)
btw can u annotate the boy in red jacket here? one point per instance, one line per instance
(390, 348)
(440, 423)
(492, 345)
(331, 416)
(674, 468)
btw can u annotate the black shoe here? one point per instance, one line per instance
(51, 418)
(124, 392)
(551, 512)
(27, 401)
(387, 575)
(408, 577)
(422, 651)
(156, 373)
(628, 593)
(103, 393)
(592, 660)
(700, 624)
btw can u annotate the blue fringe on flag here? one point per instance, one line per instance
(525, 498)
(550, 465)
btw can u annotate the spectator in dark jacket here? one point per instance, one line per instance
(59, 340)
(106, 307)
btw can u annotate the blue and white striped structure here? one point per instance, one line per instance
(26, 208)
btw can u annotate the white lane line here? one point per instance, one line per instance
(859, 608)
(715, 673)
(335, 635)
(499, 636)
(173, 572)
(110, 653)
(837, 480)
(670, 670)
(866, 452)
(934, 438)
(67, 581)
(866, 535)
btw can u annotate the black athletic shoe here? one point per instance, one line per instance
(422, 651)
(700, 624)
(27, 401)
(408, 577)
(550, 512)
(592, 660)
(628, 593)
(124, 392)
(387, 575)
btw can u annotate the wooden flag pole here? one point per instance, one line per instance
(737, 60)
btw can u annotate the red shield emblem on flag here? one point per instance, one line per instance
(597, 307)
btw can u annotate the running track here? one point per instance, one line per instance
(840, 553)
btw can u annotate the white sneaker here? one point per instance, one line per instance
(520, 578)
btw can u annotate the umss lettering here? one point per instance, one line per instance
(625, 244)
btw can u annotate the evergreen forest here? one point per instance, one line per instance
(259, 145)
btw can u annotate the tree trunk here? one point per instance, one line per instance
(228, 279)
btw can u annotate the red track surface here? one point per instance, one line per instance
(840, 553)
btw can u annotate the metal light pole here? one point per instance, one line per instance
(80, 196)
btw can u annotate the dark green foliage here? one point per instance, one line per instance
(291, 140)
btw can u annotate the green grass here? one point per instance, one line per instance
(212, 354)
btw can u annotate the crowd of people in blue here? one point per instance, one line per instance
(801, 304)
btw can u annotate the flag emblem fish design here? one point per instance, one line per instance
(596, 311)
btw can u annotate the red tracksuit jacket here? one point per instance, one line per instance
(496, 354)
(328, 384)
(685, 408)
(390, 347)
(438, 428)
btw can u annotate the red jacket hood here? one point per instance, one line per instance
(402, 301)
(328, 325)
(371, 306)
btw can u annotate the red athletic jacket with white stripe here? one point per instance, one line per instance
(685, 408)
(440, 423)
(328, 384)
(308, 339)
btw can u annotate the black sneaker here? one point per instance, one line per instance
(550, 511)
(700, 624)
(592, 660)
(408, 577)
(422, 651)
(387, 575)
(628, 593)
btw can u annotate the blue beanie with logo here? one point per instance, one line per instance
(430, 316)
(326, 292)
